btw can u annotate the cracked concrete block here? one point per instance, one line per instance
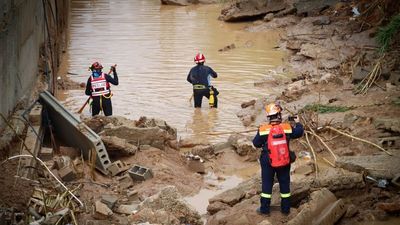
(116, 167)
(109, 200)
(140, 173)
(125, 182)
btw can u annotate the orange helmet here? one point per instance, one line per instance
(273, 109)
(96, 66)
(199, 58)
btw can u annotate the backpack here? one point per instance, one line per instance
(278, 147)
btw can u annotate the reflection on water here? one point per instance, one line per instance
(154, 46)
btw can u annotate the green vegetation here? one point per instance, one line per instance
(320, 108)
(386, 34)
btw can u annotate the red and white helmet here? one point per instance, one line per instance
(199, 58)
(96, 66)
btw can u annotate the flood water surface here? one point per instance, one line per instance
(153, 46)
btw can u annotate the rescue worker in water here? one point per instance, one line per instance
(200, 77)
(275, 157)
(98, 87)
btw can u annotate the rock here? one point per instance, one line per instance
(235, 195)
(351, 211)
(295, 45)
(313, 7)
(304, 169)
(242, 145)
(216, 206)
(393, 207)
(221, 146)
(102, 209)
(148, 132)
(295, 90)
(227, 48)
(359, 74)
(321, 20)
(247, 104)
(330, 78)
(323, 208)
(204, 151)
(109, 200)
(381, 166)
(242, 220)
(350, 119)
(196, 166)
(122, 146)
(243, 10)
(170, 200)
(390, 124)
(127, 209)
(268, 17)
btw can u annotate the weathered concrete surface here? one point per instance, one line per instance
(163, 206)
(119, 145)
(378, 166)
(145, 131)
(242, 10)
(332, 179)
(322, 209)
(21, 36)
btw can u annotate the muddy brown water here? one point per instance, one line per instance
(153, 46)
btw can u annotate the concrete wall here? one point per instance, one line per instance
(23, 31)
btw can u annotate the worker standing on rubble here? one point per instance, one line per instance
(276, 157)
(98, 87)
(200, 77)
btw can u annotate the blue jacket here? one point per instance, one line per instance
(200, 74)
(261, 140)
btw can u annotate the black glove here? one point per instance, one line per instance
(113, 69)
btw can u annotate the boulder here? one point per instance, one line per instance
(379, 166)
(251, 9)
(204, 151)
(156, 133)
(119, 145)
(243, 146)
(323, 208)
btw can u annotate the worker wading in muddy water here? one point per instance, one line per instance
(200, 77)
(276, 157)
(98, 87)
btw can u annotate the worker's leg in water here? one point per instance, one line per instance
(95, 105)
(283, 174)
(107, 106)
(267, 177)
(198, 96)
